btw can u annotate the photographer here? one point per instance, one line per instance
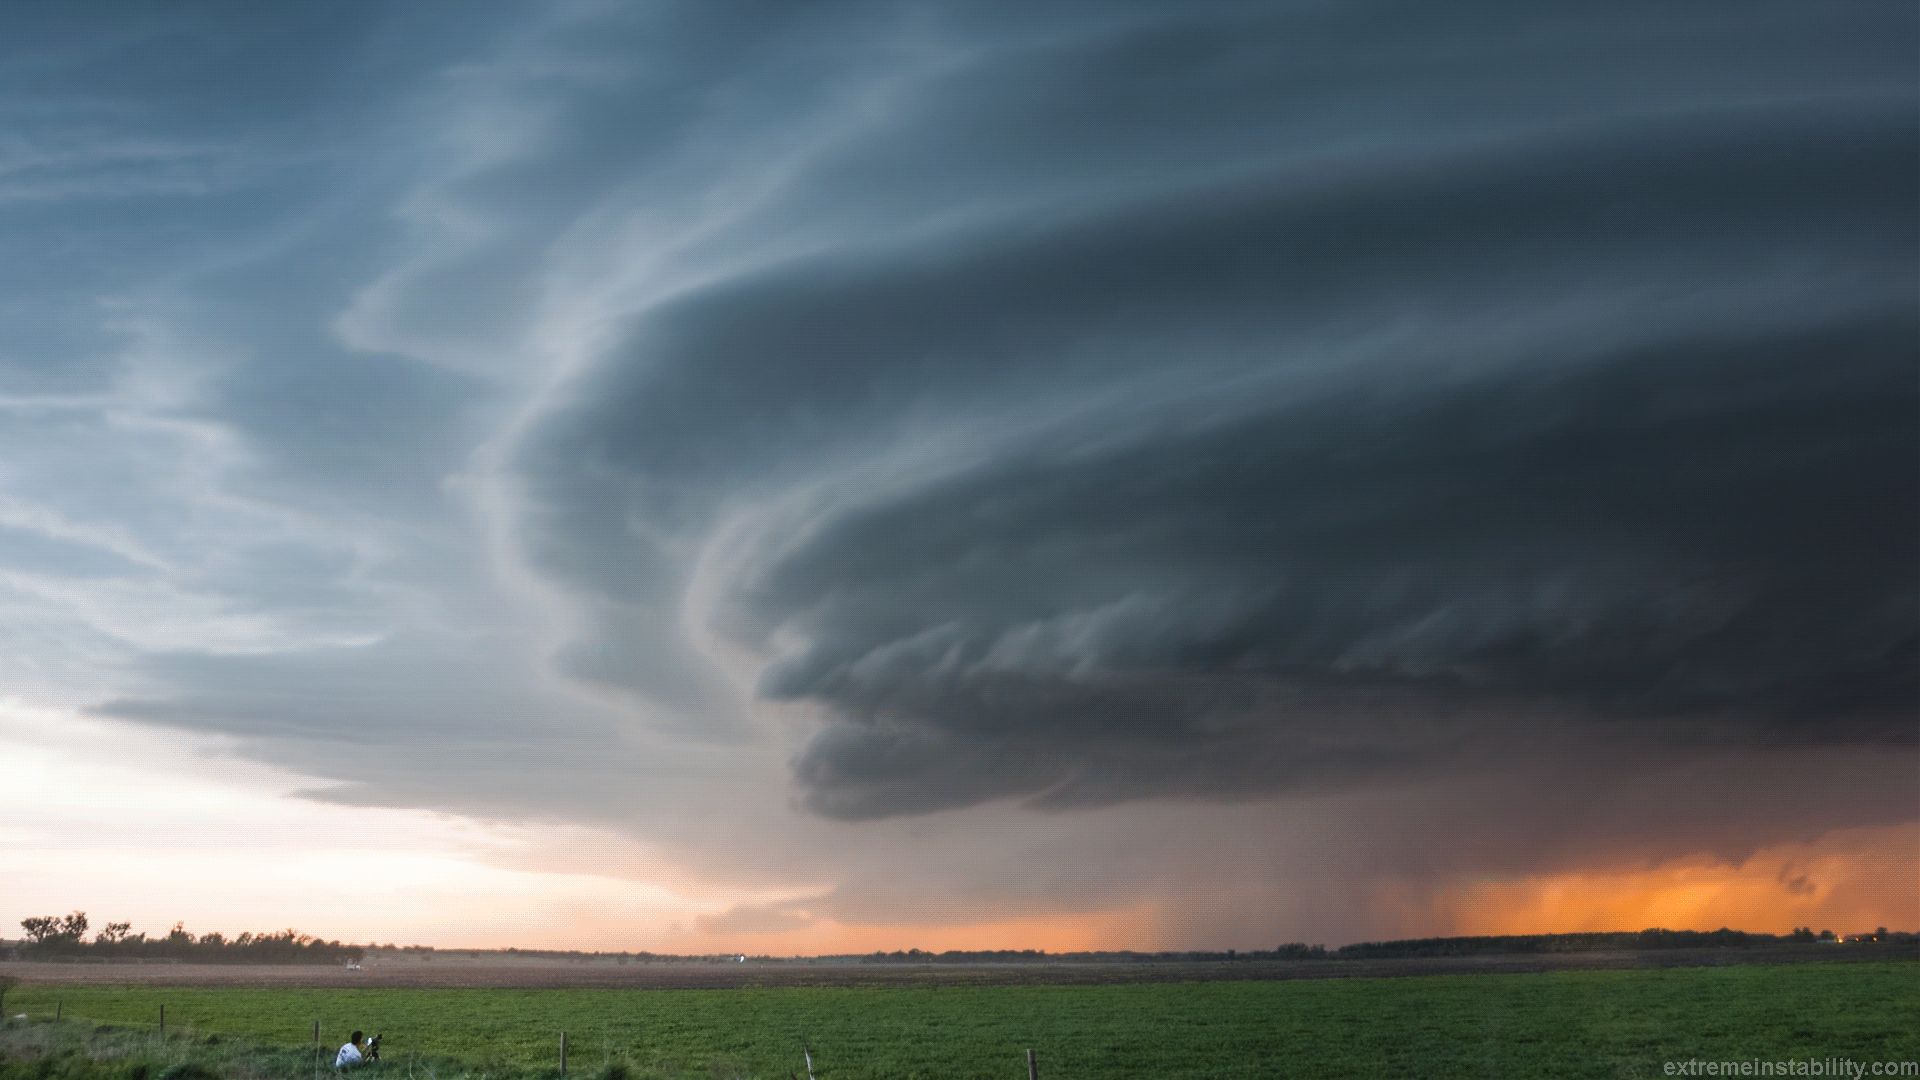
(350, 1053)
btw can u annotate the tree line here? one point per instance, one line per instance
(66, 935)
(1631, 940)
(1291, 951)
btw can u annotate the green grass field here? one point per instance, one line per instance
(1572, 1024)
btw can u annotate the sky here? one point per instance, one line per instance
(834, 477)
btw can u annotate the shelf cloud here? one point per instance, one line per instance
(1123, 463)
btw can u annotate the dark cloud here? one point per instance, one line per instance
(759, 377)
(1635, 543)
(1592, 404)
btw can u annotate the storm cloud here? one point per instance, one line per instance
(1204, 467)
(1340, 461)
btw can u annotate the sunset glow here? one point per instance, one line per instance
(1849, 882)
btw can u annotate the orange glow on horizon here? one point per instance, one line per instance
(1847, 881)
(1067, 933)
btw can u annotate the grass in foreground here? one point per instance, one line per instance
(1573, 1024)
(83, 1050)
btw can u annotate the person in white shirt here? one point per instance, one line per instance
(349, 1054)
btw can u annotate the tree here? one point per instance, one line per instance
(73, 926)
(55, 931)
(113, 933)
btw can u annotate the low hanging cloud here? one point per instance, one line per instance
(1346, 463)
(1264, 604)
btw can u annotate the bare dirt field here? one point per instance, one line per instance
(490, 970)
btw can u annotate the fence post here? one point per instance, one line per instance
(56, 1010)
(163, 1021)
(1033, 1067)
(563, 1053)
